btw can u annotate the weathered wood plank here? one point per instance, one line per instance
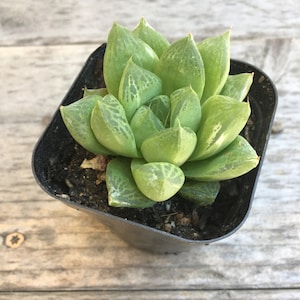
(67, 22)
(65, 226)
(86, 255)
(129, 278)
(127, 268)
(161, 295)
(37, 78)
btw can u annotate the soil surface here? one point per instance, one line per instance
(176, 216)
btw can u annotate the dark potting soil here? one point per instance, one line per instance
(176, 216)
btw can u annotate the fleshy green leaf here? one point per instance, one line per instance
(161, 105)
(181, 65)
(235, 160)
(158, 181)
(237, 86)
(173, 145)
(152, 37)
(121, 45)
(215, 52)
(222, 120)
(76, 117)
(144, 123)
(185, 108)
(121, 187)
(201, 193)
(137, 86)
(88, 92)
(111, 128)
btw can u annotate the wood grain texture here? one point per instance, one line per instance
(67, 254)
(161, 295)
(73, 21)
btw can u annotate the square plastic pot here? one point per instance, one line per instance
(263, 101)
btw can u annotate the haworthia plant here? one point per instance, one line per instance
(137, 87)
(235, 160)
(201, 193)
(158, 181)
(216, 63)
(185, 108)
(169, 117)
(122, 44)
(218, 129)
(145, 118)
(181, 65)
(120, 182)
(152, 37)
(110, 126)
(77, 119)
(174, 145)
(160, 106)
(237, 86)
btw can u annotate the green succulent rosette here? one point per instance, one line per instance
(169, 118)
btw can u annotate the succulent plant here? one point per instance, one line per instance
(169, 117)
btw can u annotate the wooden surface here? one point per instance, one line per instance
(68, 255)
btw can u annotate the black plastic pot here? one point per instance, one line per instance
(263, 100)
